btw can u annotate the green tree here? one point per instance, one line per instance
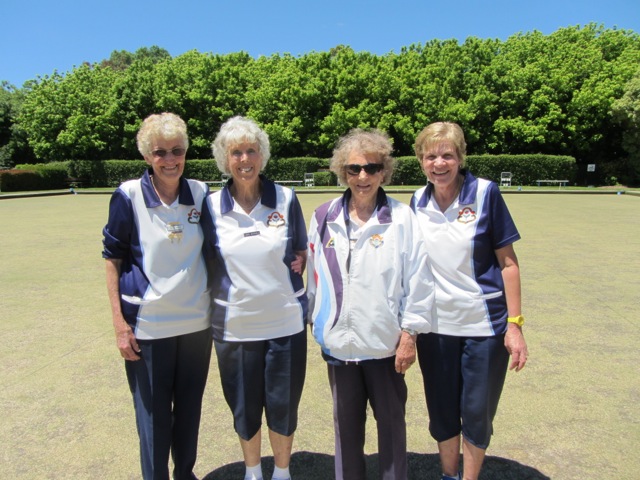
(14, 147)
(204, 90)
(69, 117)
(626, 113)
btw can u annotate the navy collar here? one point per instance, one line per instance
(268, 198)
(151, 198)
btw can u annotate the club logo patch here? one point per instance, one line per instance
(376, 241)
(275, 220)
(193, 216)
(466, 215)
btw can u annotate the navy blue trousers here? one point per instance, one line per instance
(167, 385)
(463, 379)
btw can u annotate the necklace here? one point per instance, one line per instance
(247, 206)
(168, 199)
(246, 198)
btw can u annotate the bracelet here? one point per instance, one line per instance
(410, 331)
(519, 320)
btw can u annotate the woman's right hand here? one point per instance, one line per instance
(127, 343)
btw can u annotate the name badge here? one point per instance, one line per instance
(251, 234)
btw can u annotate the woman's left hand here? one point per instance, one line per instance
(406, 352)
(516, 346)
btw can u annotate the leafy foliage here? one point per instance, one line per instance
(568, 93)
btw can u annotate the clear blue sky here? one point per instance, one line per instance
(40, 36)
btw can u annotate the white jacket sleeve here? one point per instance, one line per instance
(311, 270)
(417, 278)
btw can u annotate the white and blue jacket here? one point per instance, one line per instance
(470, 297)
(360, 299)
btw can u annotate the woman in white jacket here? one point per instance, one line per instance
(370, 292)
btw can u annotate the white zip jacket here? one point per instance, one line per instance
(358, 311)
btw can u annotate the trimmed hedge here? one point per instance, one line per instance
(525, 169)
(41, 176)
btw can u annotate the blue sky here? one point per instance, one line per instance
(40, 36)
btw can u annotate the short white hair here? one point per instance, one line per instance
(235, 131)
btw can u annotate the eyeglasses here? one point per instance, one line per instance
(161, 152)
(369, 168)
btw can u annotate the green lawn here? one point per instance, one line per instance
(571, 414)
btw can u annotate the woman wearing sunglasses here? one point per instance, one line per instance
(156, 280)
(370, 292)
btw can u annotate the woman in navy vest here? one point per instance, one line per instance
(157, 285)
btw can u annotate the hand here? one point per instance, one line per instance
(516, 346)
(127, 343)
(297, 265)
(406, 352)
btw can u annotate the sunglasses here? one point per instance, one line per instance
(177, 152)
(369, 168)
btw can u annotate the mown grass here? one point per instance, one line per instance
(571, 414)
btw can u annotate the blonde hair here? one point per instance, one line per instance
(161, 125)
(442, 132)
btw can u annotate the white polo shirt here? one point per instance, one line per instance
(163, 282)
(256, 295)
(461, 242)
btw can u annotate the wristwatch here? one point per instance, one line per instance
(519, 320)
(410, 331)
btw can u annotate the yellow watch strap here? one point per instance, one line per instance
(519, 320)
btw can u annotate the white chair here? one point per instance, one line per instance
(308, 180)
(505, 179)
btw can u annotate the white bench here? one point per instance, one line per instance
(289, 182)
(560, 183)
(219, 183)
(215, 183)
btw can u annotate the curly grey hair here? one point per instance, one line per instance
(366, 142)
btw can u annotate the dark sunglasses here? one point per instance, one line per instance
(369, 168)
(177, 152)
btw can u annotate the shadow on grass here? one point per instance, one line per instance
(319, 466)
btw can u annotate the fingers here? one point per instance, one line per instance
(403, 365)
(129, 355)
(296, 265)
(519, 360)
(130, 350)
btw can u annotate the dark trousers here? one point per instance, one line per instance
(167, 385)
(263, 375)
(377, 382)
(463, 379)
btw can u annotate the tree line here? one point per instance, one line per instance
(574, 92)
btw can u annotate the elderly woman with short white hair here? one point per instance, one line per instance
(256, 245)
(157, 285)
